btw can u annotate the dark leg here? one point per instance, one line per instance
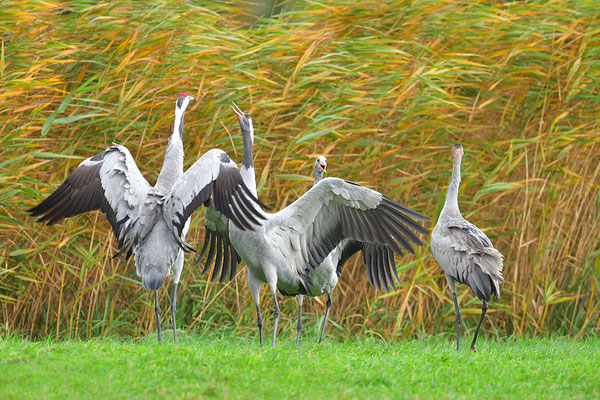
(299, 326)
(483, 310)
(457, 311)
(259, 324)
(328, 305)
(174, 312)
(157, 311)
(255, 285)
(276, 315)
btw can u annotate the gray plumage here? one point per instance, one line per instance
(464, 252)
(297, 249)
(151, 222)
(217, 245)
(287, 250)
(379, 260)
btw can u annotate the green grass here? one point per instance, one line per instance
(236, 367)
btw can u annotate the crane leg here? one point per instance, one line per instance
(157, 311)
(174, 312)
(328, 306)
(259, 324)
(458, 319)
(484, 308)
(255, 285)
(276, 314)
(299, 326)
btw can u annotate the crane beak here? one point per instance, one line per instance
(191, 97)
(323, 167)
(237, 111)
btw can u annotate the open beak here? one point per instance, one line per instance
(323, 167)
(237, 111)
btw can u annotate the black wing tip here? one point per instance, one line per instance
(48, 219)
(186, 247)
(408, 210)
(254, 198)
(34, 211)
(42, 210)
(263, 205)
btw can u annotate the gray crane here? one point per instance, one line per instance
(379, 259)
(151, 221)
(464, 252)
(216, 240)
(320, 169)
(291, 250)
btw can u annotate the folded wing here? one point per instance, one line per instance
(471, 240)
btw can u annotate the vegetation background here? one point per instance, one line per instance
(382, 88)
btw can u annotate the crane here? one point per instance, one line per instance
(287, 250)
(379, 259)
(216, 240)
(464, 252)
(151, 221)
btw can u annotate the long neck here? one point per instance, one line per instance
(451, 203)
(247, 170)
(318, 176)
(172, 167)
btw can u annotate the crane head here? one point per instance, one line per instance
(245, 121)
(320, 168)
(457, 151)
(183, 100)
(321, 164)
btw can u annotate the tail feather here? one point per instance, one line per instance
(480, 283)
(491, 261)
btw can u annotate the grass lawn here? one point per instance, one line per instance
(236, 367)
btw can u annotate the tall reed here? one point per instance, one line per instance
(383, 89)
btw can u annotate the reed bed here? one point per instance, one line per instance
(383, 89)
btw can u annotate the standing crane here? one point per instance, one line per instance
(464, 252)
(290, 248)
(216, 240)
(151, 221)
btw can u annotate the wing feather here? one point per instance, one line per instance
(377, 271)
(367, 256)
(217, 225)
(388, 266)
(469, 239)
(393, 265)
(226, 259)
(109, 181)
(211, 253)
(218, 260)
(334, 210)
(215, 178)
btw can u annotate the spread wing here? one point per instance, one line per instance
(379, 260)
(217, 239)
(213, 179)
(466, 237)
(334, 210)
(109, 181)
